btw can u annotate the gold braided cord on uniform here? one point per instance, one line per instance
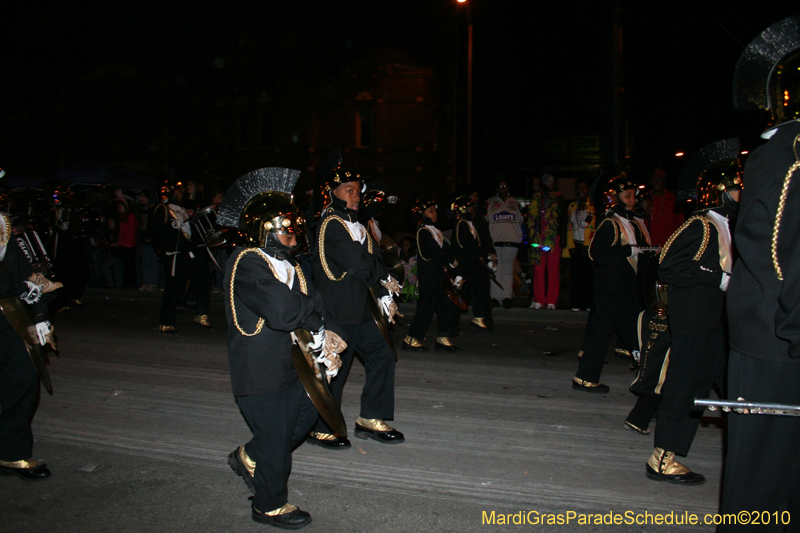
(419, 250)
(703, 244)
(7, 234)
(781, 205)
(301, 279)
(614, 224)
(322, 258)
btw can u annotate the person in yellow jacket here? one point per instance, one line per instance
(581, 223)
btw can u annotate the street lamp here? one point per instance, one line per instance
(469, 94)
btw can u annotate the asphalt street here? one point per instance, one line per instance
(140, 425)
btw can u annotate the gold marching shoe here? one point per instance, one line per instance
(444, 344)
(287, 516)
(377, 429)
(480, 324)
(410, 344)
(28, 469)
(588, 386)
(169, 330)
(244, 466)
(662, 466)
(203, 322)
(328, 440)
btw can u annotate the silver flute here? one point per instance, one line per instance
(744, 407)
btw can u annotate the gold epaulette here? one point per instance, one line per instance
(779, 215)
(614, 224)
(321, 242)
(703, 245)
(301, 279)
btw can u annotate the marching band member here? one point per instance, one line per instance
(268, 296)
(433, 256)
(181, 257)
(19, 383)
(346, 264)
(762, 466)
(469, 251)
(614, 251)
(695, 263)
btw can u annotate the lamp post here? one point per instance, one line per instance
(469, 94)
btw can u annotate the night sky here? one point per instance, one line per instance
(537, 66)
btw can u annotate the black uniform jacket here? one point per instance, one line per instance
(18, 269)
(431, 258)
(482, 225)
(345, 299)
(695, 301)
(763, 311)
(262, 363)
(467, 250)
(165, 236)
(612, 270)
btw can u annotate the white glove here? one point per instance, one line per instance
(43, 329)
(635, 251)
(32, 294)
(64, 226)
(458, 282)
(386, 303)
(318, 340)
(492, 266)
(726, 278)
(454, 264)
(392, 285)
(332, 363)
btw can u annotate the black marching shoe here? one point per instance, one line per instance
(244, 467)
(327, 440)
(410, 344)
(27, 469)
(443, 344)
(287, 517)
(588, 386)
(378, 430)
(662, 466)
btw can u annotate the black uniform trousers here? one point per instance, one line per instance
(433, 299)
(694, 361)
(762, 464)
(476, 292)
(195, 269)
(72, 267)
(377, 397)
(612, 310)
(279, 422)
(19, 396)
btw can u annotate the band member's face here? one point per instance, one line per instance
(288, 240)
(735, 195)
(349, 193)
(431, 213)
(628, 199)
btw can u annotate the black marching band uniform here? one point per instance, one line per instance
(695, 264)
(613, 250)
(434, 255)
(267, 297)
(183, 257)
(346, 263)
(19, 382)
(470, 250)
(762, 464)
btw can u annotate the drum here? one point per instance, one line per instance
(205, 226)
(32, 246)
